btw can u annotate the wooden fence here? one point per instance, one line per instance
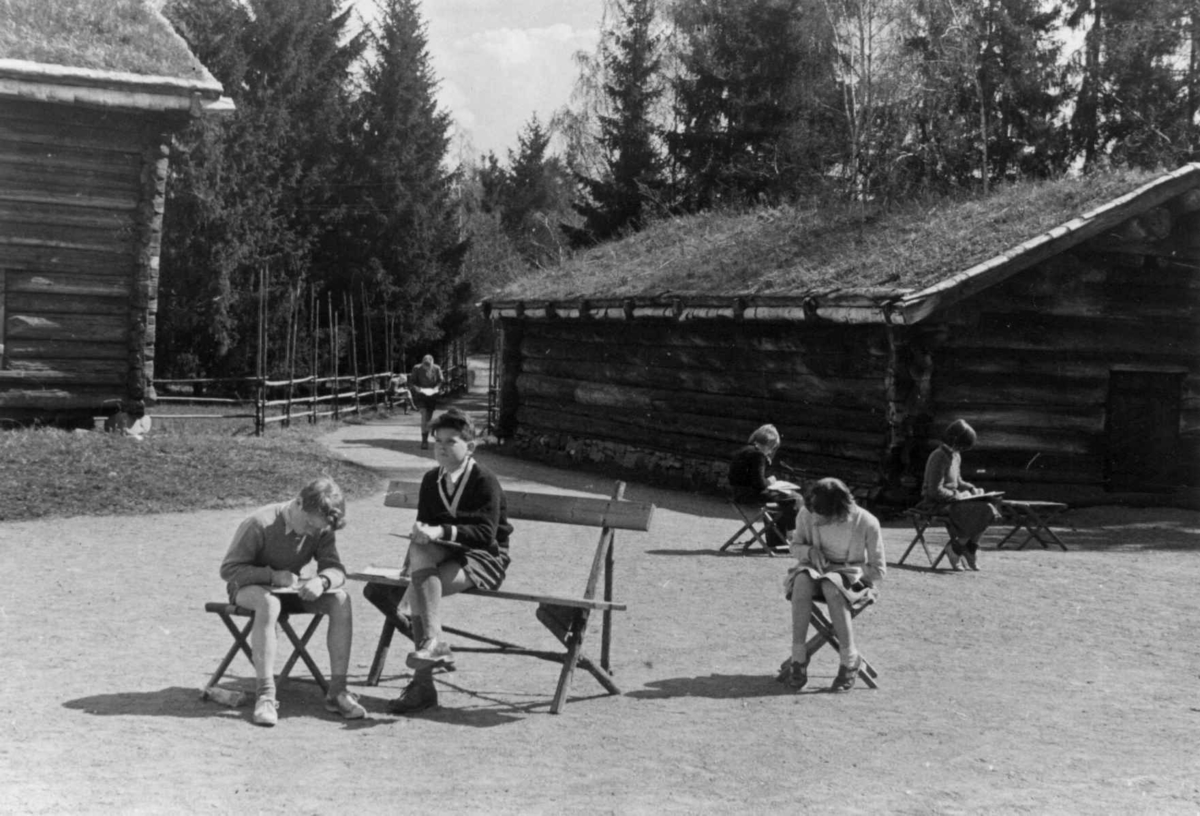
(308, 398)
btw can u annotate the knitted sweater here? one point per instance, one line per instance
(866, 541)
(264, 543)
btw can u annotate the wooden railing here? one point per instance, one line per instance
(324, 397)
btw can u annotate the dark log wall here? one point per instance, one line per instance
(1029, 364)
(81, 197)
(674, 400)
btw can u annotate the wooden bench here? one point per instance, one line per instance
(1035, 517)
(566, 617)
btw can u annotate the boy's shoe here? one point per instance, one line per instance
(266, 711)
(432, 654)
(797, 675)
(952, 559)
(347, 705)
(970, 556)
(846, 677)
(419, 695)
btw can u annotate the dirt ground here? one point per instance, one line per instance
(1050, 682)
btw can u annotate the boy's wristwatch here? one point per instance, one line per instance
(325, 581)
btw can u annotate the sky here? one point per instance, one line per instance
(500, 61)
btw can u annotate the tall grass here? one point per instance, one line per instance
(46, 472)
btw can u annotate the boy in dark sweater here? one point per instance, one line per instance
(459, 541)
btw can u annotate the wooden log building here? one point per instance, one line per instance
(83, 169)
(1075, 354)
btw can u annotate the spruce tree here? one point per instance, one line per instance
(631, 62)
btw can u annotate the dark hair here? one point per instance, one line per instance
(959, 435)
(456, 420)
(325, 497)
(831, 498)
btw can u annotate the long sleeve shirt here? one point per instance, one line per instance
(855, 542)
(748, 473)
(943, 476)
(265, 542)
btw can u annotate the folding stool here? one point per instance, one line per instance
(824, 634)
(225, 611)
(921, 521)
(758, 526)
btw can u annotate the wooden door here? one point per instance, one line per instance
(1143, 430)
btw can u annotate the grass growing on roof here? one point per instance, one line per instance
(794, 249)
(104, 35)
(52, 473)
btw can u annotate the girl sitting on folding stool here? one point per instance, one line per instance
(839, 551)
(943, 490)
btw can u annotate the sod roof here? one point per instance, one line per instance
(116, 36)
(793, 250)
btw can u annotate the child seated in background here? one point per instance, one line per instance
(750, 483)
(944, 489)
(839, 551)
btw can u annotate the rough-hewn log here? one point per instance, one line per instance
(721, 358)
(83, 328)
(112, 348)
(107, 368)
(813, 338)
(1034, 331)
(1051, 418)
(20, 303)
(67, 285)
(62, 398)
(27, 379)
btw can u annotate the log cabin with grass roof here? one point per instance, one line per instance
(91, 92)
(1060, 318)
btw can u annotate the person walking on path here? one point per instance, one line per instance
(425, 383)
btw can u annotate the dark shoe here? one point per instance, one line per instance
(419, 695)
(797, 675)
(970, 556)
(846, 677)
(424, 444)
(432, 654)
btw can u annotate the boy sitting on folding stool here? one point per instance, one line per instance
(839, 551)
(269, 551)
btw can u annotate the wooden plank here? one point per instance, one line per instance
(801, 338)
(68, 284)
(61, 398)
(391, 576)
(47, 259)
(87, 328)
(50, 234)
(23, 212)
(22, 303)
(116, 366)
(112, 349)
(586, 511)
(23, 378)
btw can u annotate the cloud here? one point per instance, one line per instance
(492, 81)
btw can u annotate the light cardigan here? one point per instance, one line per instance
(866, 541)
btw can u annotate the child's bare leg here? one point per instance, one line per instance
(338, 636)
(839, 616)
(802, 600)
(434, 574)
(263, 644)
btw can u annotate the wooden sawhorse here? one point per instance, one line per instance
(758, 527)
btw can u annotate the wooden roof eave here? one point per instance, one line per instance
(918, 305)
(848, 306)
(111, 89)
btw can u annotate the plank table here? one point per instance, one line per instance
(1035, 517)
